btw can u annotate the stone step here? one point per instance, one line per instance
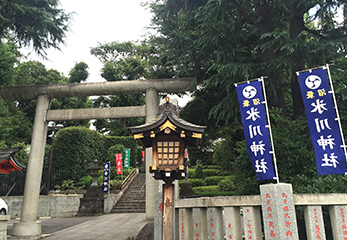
(129, 202)
(129, 211)
(125, 205)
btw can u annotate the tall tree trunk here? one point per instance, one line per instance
(296, 27)
(264, 23)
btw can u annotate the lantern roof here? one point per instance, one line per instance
(8, 163)
(168, 118)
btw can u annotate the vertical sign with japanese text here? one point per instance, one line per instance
(105, 184)
(255, 128)
(143, 156)
(119, 167)
(126, 158)
(322, 122)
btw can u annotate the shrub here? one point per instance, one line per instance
(211, 172)
(214, 188)
(214, 180)
(85, 182)
(76, 148)
(115, 184)
(195, 182)
(199, 173)
(212, 167)
(227, 185)
(191, 173)
(214, 193)
(66, 185)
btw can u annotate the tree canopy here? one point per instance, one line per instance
(222, 42)
(40, 23)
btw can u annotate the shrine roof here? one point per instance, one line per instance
(168, 112)
(8, 162)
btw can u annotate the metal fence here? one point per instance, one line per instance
(13, 184)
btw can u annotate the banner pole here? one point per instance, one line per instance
(337, 111)
(269, 127)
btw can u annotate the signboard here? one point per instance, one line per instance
(105, 184)
(143, 156)
(126, 158)
(322, 122)
(119, 167)
(255, 127)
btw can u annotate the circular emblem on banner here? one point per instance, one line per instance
(313, 81)
(249, 92)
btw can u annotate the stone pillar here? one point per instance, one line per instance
(152, 107)
(158, 216)
(215, 223)
(232, 225)
(200, 223)
(278, 211)
(314, 222)
(185, 224)
(28, 226)
(338, 217)
(252, 223)
(3, 226)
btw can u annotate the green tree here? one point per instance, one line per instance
(79, 73)
(40, 24)
(223, 42)
(122, 61)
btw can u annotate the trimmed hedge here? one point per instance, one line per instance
(195, 182)
(214, 180)
(215, 194)
(213, 188)
(212, 167)
(210, 172)
(75, 149)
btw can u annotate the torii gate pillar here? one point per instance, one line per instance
(28, 226)
(152, 186)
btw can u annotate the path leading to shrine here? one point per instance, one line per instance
(105, 227)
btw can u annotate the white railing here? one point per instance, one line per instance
(247, 217)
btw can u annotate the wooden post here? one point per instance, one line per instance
(168, 211)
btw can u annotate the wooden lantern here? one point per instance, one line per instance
(168, 135)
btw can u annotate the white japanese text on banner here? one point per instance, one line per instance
(105, 184)
(119, 165)
(254, 123)
(126, 158)
(322, 122)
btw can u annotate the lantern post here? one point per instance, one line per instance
(168, 135)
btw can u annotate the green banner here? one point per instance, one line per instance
(126, 158)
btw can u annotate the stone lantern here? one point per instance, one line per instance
(92, 202)
(94, 172)
(168, 135)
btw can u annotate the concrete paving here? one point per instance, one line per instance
(105, 227)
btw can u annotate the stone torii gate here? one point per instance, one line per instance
(28, 226)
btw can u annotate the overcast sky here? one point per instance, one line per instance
(96, 21)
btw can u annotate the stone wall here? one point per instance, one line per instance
(57, 205)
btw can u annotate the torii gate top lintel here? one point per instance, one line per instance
(170, 85)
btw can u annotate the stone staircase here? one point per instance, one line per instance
(131, 201)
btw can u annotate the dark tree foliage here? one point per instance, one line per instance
(40, 23)
(222, 42)
(78, 73)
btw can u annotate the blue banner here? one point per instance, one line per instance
(254, 123)
(322, 122)
(105, 184)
